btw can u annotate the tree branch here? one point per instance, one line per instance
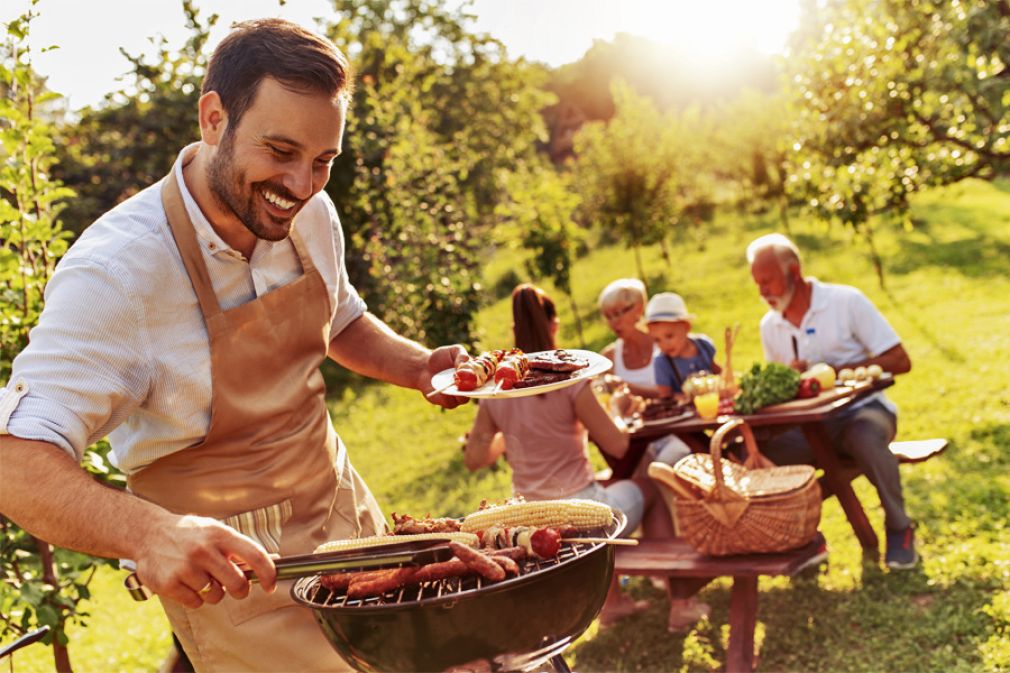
(942, 137)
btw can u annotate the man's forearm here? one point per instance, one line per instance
(46, 493)
(369, 347)
(894, 360)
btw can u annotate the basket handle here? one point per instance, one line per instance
(723, 503)
(755, 458)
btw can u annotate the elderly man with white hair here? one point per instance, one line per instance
(810, 322)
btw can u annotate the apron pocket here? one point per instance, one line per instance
(258, 603)
(265, 525)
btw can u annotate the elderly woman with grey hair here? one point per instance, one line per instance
(622, 304)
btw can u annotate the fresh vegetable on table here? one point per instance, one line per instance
(824, 373)
(809, 387)
(766, 384)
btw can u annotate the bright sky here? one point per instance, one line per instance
(90, 32)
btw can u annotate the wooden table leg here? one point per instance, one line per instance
(685, 587)
(743, 604)
(825, 456)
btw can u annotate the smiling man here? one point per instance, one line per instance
(188, 324)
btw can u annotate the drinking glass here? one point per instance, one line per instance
(707, 404)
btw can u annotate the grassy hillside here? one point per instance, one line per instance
(948, 296)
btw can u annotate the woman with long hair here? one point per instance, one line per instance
(545, 439)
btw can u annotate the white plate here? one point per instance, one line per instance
(597, 365)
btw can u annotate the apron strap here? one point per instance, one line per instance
(678, 379)
(303, 253)
(189, 248)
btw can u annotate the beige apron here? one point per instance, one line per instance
(271, 465)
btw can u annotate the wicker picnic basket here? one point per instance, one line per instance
(725, 508)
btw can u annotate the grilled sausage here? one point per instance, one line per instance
(440, 571)
(514, 553)
(386, 580)
(510, 567)
(340, 581)
(478, 562)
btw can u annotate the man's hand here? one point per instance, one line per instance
(194, 560)
(445, 357)
(800, 365)
(47, 493)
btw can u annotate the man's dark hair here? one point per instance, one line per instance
(297, 58)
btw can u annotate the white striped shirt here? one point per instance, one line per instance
(121, 347)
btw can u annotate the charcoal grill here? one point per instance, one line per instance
(466, 623)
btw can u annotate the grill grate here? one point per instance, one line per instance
(314, 593)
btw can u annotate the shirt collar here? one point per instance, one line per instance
(818, 302)
(819, 299)
(205, 233)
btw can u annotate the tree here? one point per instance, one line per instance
(541, 208)
(894, 96)
(132, 140)
(644, 174)
(440, 117)
(39, 585)
(657, 71)
(753, 143)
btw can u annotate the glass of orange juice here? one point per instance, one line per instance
(707, 404)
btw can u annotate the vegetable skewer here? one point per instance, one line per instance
(473, 373)
(512, 369)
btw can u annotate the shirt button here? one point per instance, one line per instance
(212, 246)
(19, 387)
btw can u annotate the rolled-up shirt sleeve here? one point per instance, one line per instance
(85, 369)
(349, 306)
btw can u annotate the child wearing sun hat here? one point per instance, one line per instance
(683, 353)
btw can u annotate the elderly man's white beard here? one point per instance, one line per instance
(780, 303)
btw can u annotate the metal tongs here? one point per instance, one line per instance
(396, 555)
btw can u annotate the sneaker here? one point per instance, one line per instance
(901, 549)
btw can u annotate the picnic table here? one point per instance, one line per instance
(688, 571)
(836, 479)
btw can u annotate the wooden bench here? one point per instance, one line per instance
(689, 571)
(918, 451)
(915, 451)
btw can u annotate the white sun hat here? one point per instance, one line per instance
(667, 307)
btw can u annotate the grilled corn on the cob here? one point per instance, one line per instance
(571, 513)
(380, 540)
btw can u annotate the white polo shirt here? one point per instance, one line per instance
(121, 348)
(841, 326)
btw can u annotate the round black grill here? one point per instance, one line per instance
(515, 624)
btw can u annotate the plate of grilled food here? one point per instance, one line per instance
(513, 373)
(659, 411)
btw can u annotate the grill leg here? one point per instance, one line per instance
(559, 664)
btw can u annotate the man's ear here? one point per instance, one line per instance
(213, 118)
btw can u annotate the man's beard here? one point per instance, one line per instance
(780, 303)
(227, 185)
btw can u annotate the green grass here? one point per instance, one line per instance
(948, 296)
